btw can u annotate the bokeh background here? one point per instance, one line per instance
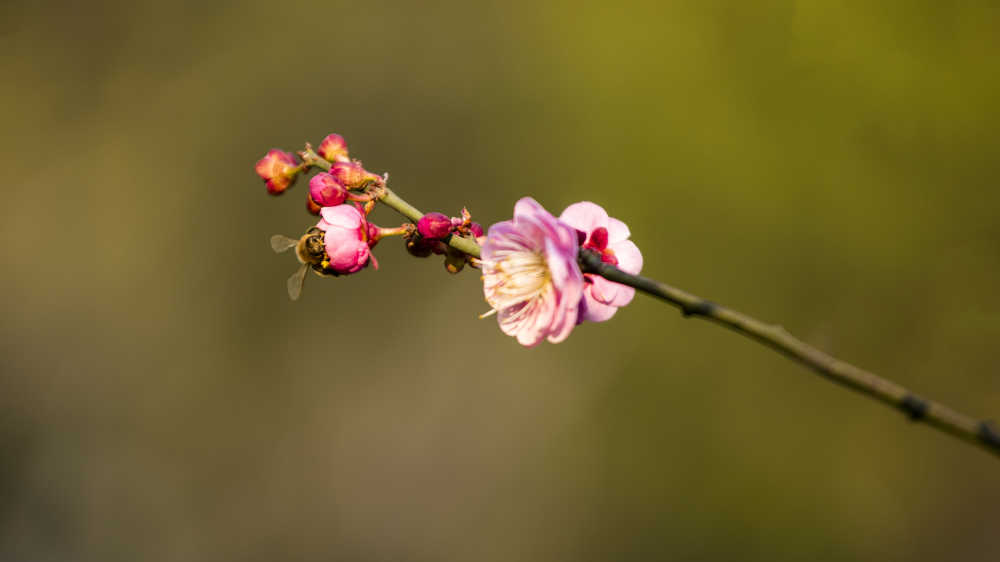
(829, 165)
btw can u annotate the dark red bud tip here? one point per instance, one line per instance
(311, 205)
(581, 237)
(326, 191)
(599, 238)
(434, 225)
(419, 247)
(476, 229)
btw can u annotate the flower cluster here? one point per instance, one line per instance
(342, 240)
(531, 276)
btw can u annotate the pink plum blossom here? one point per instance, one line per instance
(346, 238)
(278, 169)
(530, 275)
(608, 237)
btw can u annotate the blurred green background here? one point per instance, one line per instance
(829, 165)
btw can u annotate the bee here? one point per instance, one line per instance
(311, 253)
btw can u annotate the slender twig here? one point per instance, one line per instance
(982, 433)
(460, 243)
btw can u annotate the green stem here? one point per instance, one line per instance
(981, 433)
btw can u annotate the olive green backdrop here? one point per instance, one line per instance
(829, 165)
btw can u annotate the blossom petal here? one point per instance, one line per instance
(593, 311)
(602, 290)
(528, 207)
(585, 216)
(628, 255)
(617, 231)
(570, 293)
(344, 216)
(624, 296)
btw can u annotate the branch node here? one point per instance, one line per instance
(701, 308)
(914, 406)
(988, 434)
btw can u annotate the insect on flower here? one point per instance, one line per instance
(310, 250)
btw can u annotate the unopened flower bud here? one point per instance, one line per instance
(278, 169)
(476, 229)
(352, 176)
(454, 260)
(420, 247)
(333, 148)
(311, 205)
(326, 191)
(434, 225)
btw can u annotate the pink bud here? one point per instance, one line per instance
(476, 229)
(351, 175)
(434, 225)
(333, 148)
(326, 191)
(345, 239)
(278, 169)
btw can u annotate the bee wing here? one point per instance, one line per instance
(281, 243)
(296, 281)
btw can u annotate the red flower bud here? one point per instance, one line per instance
(351, 175)
(326, 191)
(476, 229)
(333, 148)
(434, 225)
(420, 247)
(278, 169)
